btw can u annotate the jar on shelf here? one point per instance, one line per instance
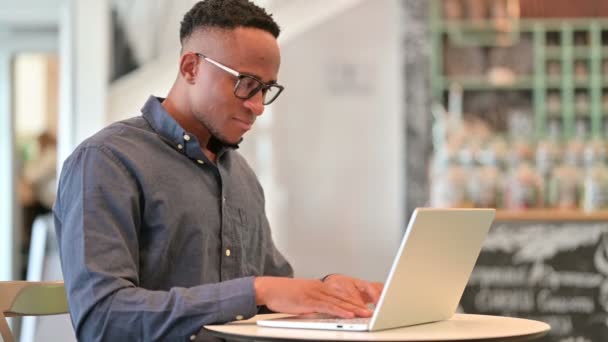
(594, 152)
(575, 147)
(500, 149)
(449, 182)
(547, 155)
(485, 186)
(595, 188)
(564, 185)
(594, 194)
(523, 188)
(521, 151)
(548, 158)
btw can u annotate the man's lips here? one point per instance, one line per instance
(244, 123)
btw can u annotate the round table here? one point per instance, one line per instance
(461, 327)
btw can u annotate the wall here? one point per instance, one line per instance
(337, 133)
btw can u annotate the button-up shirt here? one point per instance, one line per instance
(155, 239)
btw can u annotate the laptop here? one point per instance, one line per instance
(428, 276)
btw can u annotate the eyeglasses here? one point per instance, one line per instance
(247, 85)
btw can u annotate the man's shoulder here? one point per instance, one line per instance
(119, 138)
(118, 133)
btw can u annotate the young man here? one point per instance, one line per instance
(161, 222)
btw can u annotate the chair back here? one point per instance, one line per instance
(30, 298)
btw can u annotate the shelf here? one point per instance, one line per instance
(559, 54)
(578, 52)
(582, 83)
(520, 83)
(484, 83)
(552, 215)
(523, 25)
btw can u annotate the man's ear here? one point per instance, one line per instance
(188, 67)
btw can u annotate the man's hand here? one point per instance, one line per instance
(362, 291)
(303, 296)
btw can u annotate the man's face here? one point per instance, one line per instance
(247, 50)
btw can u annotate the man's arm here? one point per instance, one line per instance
(97, 216)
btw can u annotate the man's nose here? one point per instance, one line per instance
(256, 103)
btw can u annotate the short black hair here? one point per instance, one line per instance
(226, 14)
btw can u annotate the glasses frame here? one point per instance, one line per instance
(240, 76)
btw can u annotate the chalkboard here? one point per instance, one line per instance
(553, 272)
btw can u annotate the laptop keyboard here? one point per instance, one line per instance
(357, 320)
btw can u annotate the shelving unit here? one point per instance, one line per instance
(532, 256)
(550, 215)
(569, 42)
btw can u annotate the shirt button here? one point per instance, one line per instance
(239, 317)
(200, 161)
(193, 337)
(227, 251)
(180, 146)
(186, 137)
(224, 199)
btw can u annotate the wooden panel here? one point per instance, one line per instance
(551, 215)
(563, 8)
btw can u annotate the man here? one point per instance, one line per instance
(161, 222)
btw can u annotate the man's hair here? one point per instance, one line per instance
(226, 14)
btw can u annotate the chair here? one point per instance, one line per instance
(30, 298)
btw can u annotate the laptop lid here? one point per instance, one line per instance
(432, 267)
(428, 275)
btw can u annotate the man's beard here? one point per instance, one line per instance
(214, 132)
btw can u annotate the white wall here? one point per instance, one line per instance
(128, 94)
(84, 80)
(338, 138)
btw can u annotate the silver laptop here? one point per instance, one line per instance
(427, 278)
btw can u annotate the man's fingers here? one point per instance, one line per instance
(346, 293)
(334, 310)
(369, 290)
(356, 309)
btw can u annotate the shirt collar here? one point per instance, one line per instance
(171, 131)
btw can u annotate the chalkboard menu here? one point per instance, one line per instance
(552, 272)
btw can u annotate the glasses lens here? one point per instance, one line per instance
(271, 94)
(247, 87)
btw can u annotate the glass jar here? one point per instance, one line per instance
(523, 188)
(564, 186)
(595, 188)
(595, 184)
(485, 185)
(449, 183)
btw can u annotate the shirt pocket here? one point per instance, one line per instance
(249, 239)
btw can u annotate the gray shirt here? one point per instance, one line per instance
(155, 240)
